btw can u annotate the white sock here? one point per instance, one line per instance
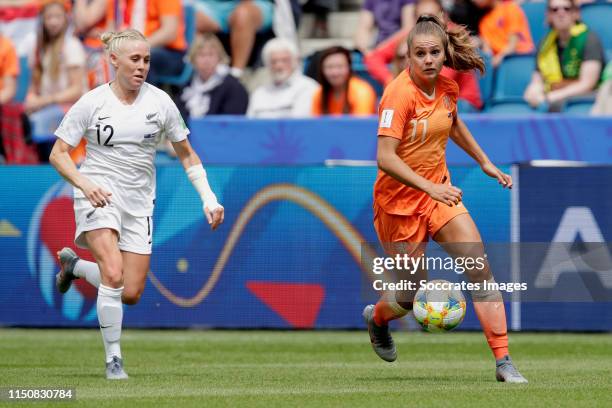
(88, 270)
(110, 316)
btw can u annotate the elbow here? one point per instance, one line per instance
(382, 161)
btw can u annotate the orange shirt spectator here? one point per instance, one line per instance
(150, 20)
(341, 92)
(361, 100)
(9, 70)
(504, 30)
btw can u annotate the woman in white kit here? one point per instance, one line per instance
(115, 187)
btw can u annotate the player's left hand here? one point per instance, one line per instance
(215, 217)
(492, 171)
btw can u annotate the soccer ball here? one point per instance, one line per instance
(439, 310)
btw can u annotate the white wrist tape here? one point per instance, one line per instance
(197, 176)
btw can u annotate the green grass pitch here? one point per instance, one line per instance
(308, 369)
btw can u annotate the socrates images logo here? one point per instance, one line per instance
(52, 228)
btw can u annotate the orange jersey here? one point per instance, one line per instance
(108, 23)
(9, 65)
(361, 100)
(156, 9)
(422, 125)
(505, 19)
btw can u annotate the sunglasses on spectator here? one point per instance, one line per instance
(567, 9)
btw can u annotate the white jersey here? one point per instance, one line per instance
(121, 141)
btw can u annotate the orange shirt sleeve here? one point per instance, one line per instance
(362, 97)
(395, 110)
(9, 64)
(316, 102)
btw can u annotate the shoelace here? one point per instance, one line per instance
(511, 369)
(382, 337)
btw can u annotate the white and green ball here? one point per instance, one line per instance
(439, 310)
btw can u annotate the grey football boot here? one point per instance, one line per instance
(67, 259)
(505, 371)
(114, 370)
(380, 337)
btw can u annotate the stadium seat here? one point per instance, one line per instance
(536, 16)
(23, 80)
(510, 108)
(485, 82)
(579, 105)
(512, 77)
(183, 77)
(598, 16)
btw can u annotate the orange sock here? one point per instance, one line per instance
(384, 312)
(492, 316)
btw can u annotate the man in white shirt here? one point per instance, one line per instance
(290, 93)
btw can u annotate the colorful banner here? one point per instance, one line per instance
(506, 140)
(288, 254)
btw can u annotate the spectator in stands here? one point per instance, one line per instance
(394, 50)
(504, 29)
(321, 10)
(9, 70)
(289, 94)
(569, 59)
(58, 71)
(242, 19)
(387, 16)
(603, 103)
(163, 24)
(212, 91)
(341, 92)
(92, 18)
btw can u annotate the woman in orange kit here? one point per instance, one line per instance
(413, 196)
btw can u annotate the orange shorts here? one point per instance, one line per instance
(415, 228)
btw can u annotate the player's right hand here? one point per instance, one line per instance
(445, 193)
(97, 196)
(215, 216)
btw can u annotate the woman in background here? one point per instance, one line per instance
(212, 90)
(341, 92)
(58, 73)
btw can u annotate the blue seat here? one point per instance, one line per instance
(510, 108)
(485, 82)
(579, 105)
(598, 16)
(23, 80)
(183, 77)
(536, 16)
(512, 77)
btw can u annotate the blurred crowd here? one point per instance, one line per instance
(243, 57)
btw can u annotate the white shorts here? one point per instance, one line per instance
(135, 233)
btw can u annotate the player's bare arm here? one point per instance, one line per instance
(393, 165)
(192, 164)
(61, 160)
(461, 135)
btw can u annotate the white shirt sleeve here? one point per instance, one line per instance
(74, 52)
(175, 128)
(75, 123)
(302, 105)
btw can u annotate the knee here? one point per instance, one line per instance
(113, 277)
(245, 14)
(131, 296)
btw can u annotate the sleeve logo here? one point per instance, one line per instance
(386, 118)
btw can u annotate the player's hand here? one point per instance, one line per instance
(97, 196)
(445, 193)
(492, 171)
(215, 216)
